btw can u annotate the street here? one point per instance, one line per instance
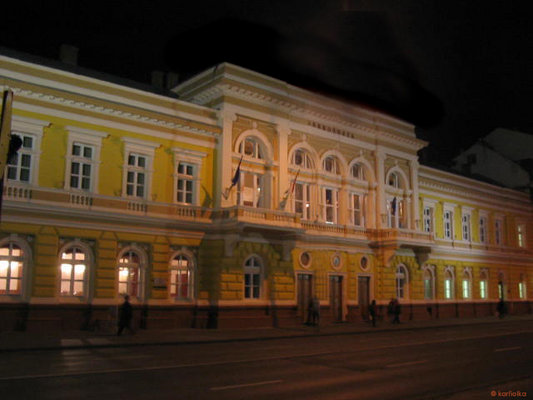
(461, 362)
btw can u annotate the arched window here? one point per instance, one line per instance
(74, 271)
(358, 171)
(448, 284)
(429, 284)
(11, 269)
(181, 277)
(394, 180)
(302, 159)
(251, 147)
(402, 281)
(252, 278)
(483, 284)
(467, 284)
(129, 274)
(331, 165)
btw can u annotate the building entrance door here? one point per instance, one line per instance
(305, 294)
(363, 290)
(335, 297)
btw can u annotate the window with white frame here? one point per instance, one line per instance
(429, 283)
(521, 235)
(83, 154)
(394, 180)
(467, 284)
(136, 175)
(186, 185)
(81, 166)
(466, 226)
(302, 199)
(483, 229)
(448, 224)
(330, 205)
(252, 278)
(73, 272)
(251, 147)
(331, 165)
(19, 168)
(449, 287)
(358, 171)
(181, 277)
(251, 189)
(302, 159)
(483, 285)
(11, 269)
(402, 281)
(129, 274)
(356, 209)
(522, 293)
(498, 231)
(428, 219)
(396, 213)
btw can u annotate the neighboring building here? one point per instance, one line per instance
(504, 157)
(117, 190)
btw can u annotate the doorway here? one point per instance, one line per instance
(363, 290)
(335, 297)
(305, 294)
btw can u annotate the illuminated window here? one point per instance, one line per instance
(483, 285)
(181, 277)
(396, 213)
(302, 200)
(330, 205)
(252, 278)
(73, 272)
(429, 284)
(11, 269)
(129, 274)
(522, 292)
(251, 190)
(448, 285)
(402, 280)
(521, 235)
(467, 285)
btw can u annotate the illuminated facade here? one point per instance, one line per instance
(117, 190)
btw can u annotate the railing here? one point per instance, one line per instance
(81, 200)
(15, 192)
(401, 235)
(137, 206)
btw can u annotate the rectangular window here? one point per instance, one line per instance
(483, 289)
(483, 229)
(466, 289)
(521, 290)
(448, 289)
(302, 196)
(330, 205)
(356, 209)
(466, 227)
(81, 166)
(136, 175)
(428, 289)
(498, 232)
(250, 189)
(428, 219)
(448, 224)
(185, 189)
(19, 167)
(251, 286)
(521, 235)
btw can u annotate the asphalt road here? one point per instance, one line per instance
(468, 362)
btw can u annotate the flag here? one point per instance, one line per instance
(234, 181)
(393, 206)
(8, 145)
(288, 192)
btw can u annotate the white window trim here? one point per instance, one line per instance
(27, 267)
(484, 277)
(483, 215)
(306, 200)
(362, 207)
(88, 137)
(467, 276)
(196, 158)
(405, 286)
(498, 234)
(143, 263)
(451, 270)
(523, 231)
(89, 273)
(193, 278)
(247, 270)
(324, 206)
(466, 212)
(35, 128)
(142, 148)
(431, 270)
(451, 208)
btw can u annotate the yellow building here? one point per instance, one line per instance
(234, 205)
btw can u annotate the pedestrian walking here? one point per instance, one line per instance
(372, 311)
(397, 310)
(390, 310)
(313, 312)
(501, 308)
(124, 316)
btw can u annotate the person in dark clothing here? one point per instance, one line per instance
(396, 310)
(372, 310)
(124, 316)
(390, 310)
(501, 308)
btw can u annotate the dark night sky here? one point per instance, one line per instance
(457, 69)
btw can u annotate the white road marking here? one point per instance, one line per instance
(508, 349)
(405, 364)
(245, 385)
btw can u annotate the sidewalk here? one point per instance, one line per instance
(25, 341)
